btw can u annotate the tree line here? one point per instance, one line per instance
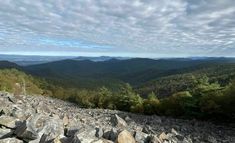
(203, 100)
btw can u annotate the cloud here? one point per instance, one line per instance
(169, 28)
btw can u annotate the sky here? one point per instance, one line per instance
(140, 28)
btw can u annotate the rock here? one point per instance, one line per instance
(86, 136)
(148, 130)
(57, 140)
(65, 120)
(50, 126)
(26, 131)
(163, 136)
(103, 141)
(9, 122)
(99, 132)
(71, 131)
(10, 140)
(12, 99)
(125, 137)
(141, 137)
(155, 139)
(118, 121)
(110, 134)
(5, 133)
(211, 139)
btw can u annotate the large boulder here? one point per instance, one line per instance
(125, 137)
(110, 134)
(4, 133)
(9, 122)
(86, 135)
(50, 126)
(10, 140)
(26, 131)
(141, 137)
(118, 121)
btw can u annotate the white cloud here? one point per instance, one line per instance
(179, 27)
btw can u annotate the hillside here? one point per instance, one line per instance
(135, 71)
(34, 119)
(181, 88)
(7, 64)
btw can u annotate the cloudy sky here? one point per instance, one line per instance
(146, 28)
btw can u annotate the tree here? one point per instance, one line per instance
(151, 104)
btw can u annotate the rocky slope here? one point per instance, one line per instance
(39, 119)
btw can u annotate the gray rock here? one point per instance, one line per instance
(148, 130)
(141, 137)
(86, 136)
(118, 121)
(99, 132)
(9, 122)
(5, 133)
(26, 131)
(10, 140)
(110, 134)
(53, 127)
(71, 131)
(211, 139)
(154, 139)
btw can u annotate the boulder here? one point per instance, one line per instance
(51, 126)
(26, 131)
(141, 137)
(154, 139)
(86, 136)
(9, 122)
(99, 132)
(148, 130)
(125, 137)
(10, 140)
(65, 120)
(110, 134)
(5, 133)
(71, 131)
(163, 136)
(118, 121)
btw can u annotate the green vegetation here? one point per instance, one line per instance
(17, 82)
(204, 92)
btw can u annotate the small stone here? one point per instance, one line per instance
(125, 137)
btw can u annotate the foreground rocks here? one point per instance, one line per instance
(38, 119)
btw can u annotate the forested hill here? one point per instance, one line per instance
(192, 88)
(134, 71)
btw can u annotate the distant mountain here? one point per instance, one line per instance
(99, 59)
(7, 65)
(135, 71)
(31, 60)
